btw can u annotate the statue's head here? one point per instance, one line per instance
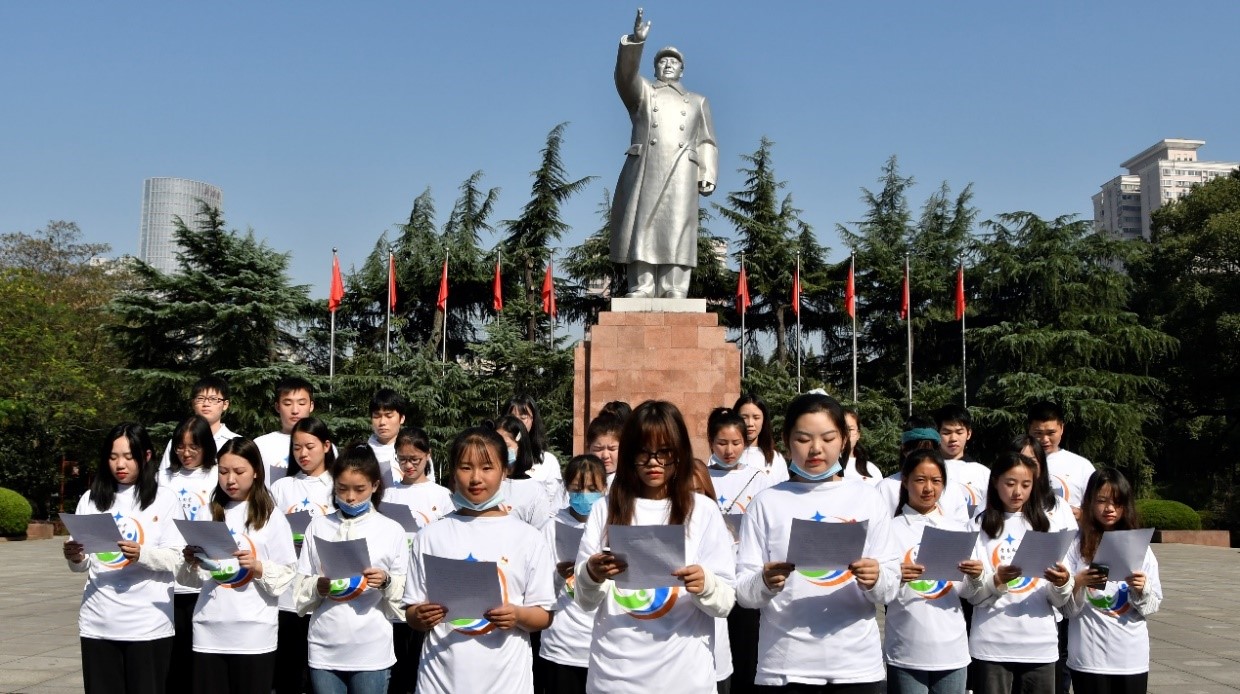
(669, 64)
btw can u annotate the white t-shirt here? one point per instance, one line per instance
(132, 601)
(1107, 634)
(526, 500)
(1013, 623)
(302, 492)
(275, 450)
(777, 470)
(736, 487)
(821, 627)
(567, 640)
(193, 489)
(221, 437)
(975, 478)
(852, 473)
(428, 501)
(237, 613)
(662, 639)
(1069, 475)
(547, 471)
(925, 625)
(953, 502)
(471, 655)
(349, 629)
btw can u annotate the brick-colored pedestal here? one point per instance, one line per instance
(681, 357)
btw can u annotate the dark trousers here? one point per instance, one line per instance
(566, 679)
(796, 688)
(292, 672)
(743, 635)
(1088, 683)
(126, 667)
(1014, 678)
(218, 673)
(407, 643)
(1063, 678)
(181, 670)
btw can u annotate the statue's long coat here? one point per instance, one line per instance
(654, 216)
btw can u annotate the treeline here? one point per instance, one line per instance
(1138, 341)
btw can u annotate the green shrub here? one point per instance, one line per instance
(1167, 515)
(15, 512)
(1210, 520)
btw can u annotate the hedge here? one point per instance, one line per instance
(15, 512)
(1165, 514)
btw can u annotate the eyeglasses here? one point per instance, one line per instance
(409, 460)
(662, 457)
(207, 400)
(191, 450)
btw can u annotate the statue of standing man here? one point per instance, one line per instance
(671, 159)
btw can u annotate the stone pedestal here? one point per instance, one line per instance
(656, 349)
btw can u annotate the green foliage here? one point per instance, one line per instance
(228, 311)
(1165, 514)
(15, 512)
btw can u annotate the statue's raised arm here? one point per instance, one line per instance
(671, 159)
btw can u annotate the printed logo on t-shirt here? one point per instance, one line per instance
(930, 590)
(235, 575)
(132, 531)
(822, 578)
(346, 589)
(1003, 552)
(1110, 601)
(194, 504)
(733, 505)
(307, 505)
(646, 603)
(1059, 484)
(570, 586)
(477, 626)
(973, 501)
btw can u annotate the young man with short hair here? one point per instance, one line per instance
(387, 416)
(294, 401)
(1069, 472)
(955, 426)
(208, 399)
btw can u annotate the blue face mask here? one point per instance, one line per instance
(512, 457)
(796, 470)
(352, 510)
(582, 502)
(718, 462)
(463, 504)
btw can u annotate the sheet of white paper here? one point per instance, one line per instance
(96, 531)
(1123, 551)
(344, 558)
(298, 522)
(401, 514)
(941, 550)
(212, 536)
(469, 589)
(814, 546)
(566, 541)
(652, 552)
(1040, 551)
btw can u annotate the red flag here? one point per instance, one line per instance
(796, 292)
(904, 298)
(960, 293)
(337, 291)
(548, 293)
(497, 291)
(391, 281)
(742, 291)
(441, 304)
(850, 292)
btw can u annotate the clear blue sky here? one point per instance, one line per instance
(322, 121)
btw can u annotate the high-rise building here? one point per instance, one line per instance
(1164, 172)
(164, 199)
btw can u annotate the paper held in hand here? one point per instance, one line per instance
(213, 537)
(814, 546)
(652, 553)
(1123, 551)
(97, 532)
(567, 539)
(343, 558)
(468, 589)
(1040, 551)
(941, 552)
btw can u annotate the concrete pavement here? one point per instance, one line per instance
(1195, 636)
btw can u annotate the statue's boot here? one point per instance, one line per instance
(673, 281)
(641, 280)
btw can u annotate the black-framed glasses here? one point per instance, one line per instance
(409, 460)
(662, 457)
(208, 400)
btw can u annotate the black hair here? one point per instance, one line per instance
(525, 448)
(359, 456)
(587, 464)
(476, 439)
(1123, 498)
(1044, 411)
(953, 413)
(316, 428)
(603, 425)
(200, 435)
(765, 439)
(812, 403)
(292, 384)
(103, 488)
(860, 456)
(388, 399)
(722, 418)
(617, 408)
(524, 404)
(1042, 483)
(209, 383)
(417, 438)
(911, 461)
(653, 421)
(992, 517)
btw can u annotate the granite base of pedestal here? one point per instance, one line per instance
(682, 357)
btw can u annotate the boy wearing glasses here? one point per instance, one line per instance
(208, 399)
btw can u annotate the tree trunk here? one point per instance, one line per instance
(531, 334)
(781, 337)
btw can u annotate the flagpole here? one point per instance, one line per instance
(908, 322)
(743, 321)
(387, 341)
(852, 268)
(964, 349)
(331, 359)
(444, 369)
(798, 312)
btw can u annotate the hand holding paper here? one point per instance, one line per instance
(212, 537)
(342, 559)
(1041, 551)
(96, 532)
(468, 589)
(1123, 551)
(814, 546)
(653, 553)
(941, 552)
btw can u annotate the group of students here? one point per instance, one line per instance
(156, 616)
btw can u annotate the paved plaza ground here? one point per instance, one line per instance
(1195, 636)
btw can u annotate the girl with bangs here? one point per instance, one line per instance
(236, 615)
(759, 440)
(669, 649)
(465, 653)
